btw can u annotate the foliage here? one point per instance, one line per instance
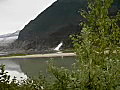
(29, 84)
(98, 51)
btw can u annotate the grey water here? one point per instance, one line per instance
(31, 67)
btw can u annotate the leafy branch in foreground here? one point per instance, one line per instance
(98, 51)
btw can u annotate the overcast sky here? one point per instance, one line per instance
(15, 14)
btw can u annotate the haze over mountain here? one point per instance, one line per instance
(7, 39)
(55, 24)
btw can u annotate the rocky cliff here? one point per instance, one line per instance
(55, 24)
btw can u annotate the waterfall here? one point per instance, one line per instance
(58, 47)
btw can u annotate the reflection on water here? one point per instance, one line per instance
(13, 69)
(32, 66)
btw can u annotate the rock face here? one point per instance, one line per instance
(55, 24)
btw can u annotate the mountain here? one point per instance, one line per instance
(7, 39)
(55, 24)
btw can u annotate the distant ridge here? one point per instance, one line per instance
(10, 34)
(7, 39)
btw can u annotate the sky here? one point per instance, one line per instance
(15, 14)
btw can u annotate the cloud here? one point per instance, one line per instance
(3, 1)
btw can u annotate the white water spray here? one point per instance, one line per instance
(58, 47)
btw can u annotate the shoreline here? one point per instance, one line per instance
(50, 55)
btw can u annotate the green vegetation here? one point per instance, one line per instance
(70, 50)
(97, 47)
(14, 55)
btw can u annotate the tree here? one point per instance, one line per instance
(98, 51)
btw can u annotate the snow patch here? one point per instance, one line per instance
(7, 39)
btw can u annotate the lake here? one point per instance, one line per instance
(30, 67)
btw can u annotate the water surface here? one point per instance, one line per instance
(31, 67)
